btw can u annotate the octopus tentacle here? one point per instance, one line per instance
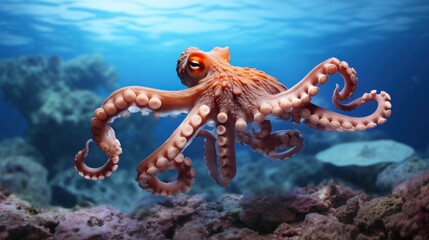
(185, 176)
(284, 102)
(109, 167)
(210, 155)
(168, 156)
(226, 152)
(264, 129)
(272, 143)
(320, 118)
(120, 104)
(222, 170)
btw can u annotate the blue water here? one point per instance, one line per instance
(386, 41)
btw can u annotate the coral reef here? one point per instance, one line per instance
(89, 72)
(57, 97)
(328, 211)
(24, 80)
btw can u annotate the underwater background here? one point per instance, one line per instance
(60, 58)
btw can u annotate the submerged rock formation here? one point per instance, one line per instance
(395, 174)
(359, 163)
(22, 173)
(329, 211)
(56, 97)
(365, 153)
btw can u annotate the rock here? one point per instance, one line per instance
(358, 164)
(192, 217)
(317, 226)
(21, 171)
(18, 219)
(32, 76)
(89, 72)
(413, 220)
(265, 213)
(347, 212)
(395, 174)
(25, 177)
(59, 121)
(101, 222)
(233, 233)
(287, 231)
(328, 211)
(365, 153)
(372, 214)
(18, 146)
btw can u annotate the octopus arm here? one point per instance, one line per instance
(302, 93)
(168, 157)
(157, 100)
(320, 75)
(210, 155)
(120, 104)
(225, 143)
(264, 129)
(323, 119)
(270, 143)
(295, 102)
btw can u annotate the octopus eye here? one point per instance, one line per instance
(195, 68)
(194, 64)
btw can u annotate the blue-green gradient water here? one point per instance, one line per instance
(386, 41)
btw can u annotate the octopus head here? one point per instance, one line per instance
(195, 65)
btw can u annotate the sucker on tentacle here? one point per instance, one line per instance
(168, 156)
(230, 99)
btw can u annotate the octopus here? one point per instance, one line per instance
(237, 105)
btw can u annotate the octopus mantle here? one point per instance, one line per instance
(230, 98)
